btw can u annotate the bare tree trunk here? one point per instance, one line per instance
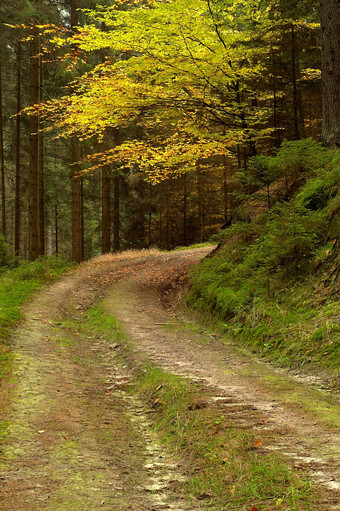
(77, 252)
(41, 171)
(33, 185)
(77, 223)
(106, 210)
(116, 213)
(185, 210)
(2, 160)
(56, 229)
(17, 219)
(295, 92)
(200, 196)
(330, 38)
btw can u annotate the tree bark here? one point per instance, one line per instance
(41, 170)
(330, 40)
(185, 210)
(77, 223)
(33, 185)
(116, 214)
(77, 252)
(2, 161)
(17, 214)
(106, 210)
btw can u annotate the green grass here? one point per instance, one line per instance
(224, 466)
(16, 287)
(196, 245)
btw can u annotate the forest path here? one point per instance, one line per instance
(69, 443)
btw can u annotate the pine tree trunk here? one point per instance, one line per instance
(77, 252)
(41, 172)
(2, 161)
(33, 185)
(77, 223)
(56, 224)
(330, 38)
(17, 218)
(200, 195)
(185, 210)
(116, 215)
(106, 210)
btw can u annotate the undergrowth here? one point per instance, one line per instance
(16, 286)
(273, 284)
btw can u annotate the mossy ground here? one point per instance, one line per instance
(16, 287)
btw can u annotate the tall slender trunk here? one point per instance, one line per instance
(161, 216)
(106, 210)
(33, 185)
(2, 161)
(200, 196)
(82, 216)
(295, 89)
(41, 170)
(77, 251)
(330, 38)
(77, 222)
(150, 217)
(56, 229)
(116, 213)
(226, 202)
(276, 125)
(17, 214)
(185, 210)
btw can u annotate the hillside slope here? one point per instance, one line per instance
(273, 282)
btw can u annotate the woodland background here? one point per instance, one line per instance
(273, 95)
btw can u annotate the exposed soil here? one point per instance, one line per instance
(76, 441)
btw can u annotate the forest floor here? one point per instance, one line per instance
(73, 438)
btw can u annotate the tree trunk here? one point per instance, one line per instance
(330, 39)
(17, 219)
(106, 210)
(33, 185)
(200, 196)
(41, 171)
(77, 252)
(77, 231)
(116, 216)
(2, 160)
(185, 210)
(56, 229)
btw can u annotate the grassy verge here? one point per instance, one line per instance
(196, 245)
(16, 286)
(274, 282)
(227, 466)
(296, 327)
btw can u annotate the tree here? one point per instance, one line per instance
(34, 195)
(330, 29)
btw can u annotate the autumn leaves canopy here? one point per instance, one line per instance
(183, 80)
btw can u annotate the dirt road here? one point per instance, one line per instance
(70, 444)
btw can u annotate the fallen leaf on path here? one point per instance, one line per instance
(232, 490)
(258, 443)
(254, 508)
(41, 431)
(66, 437)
